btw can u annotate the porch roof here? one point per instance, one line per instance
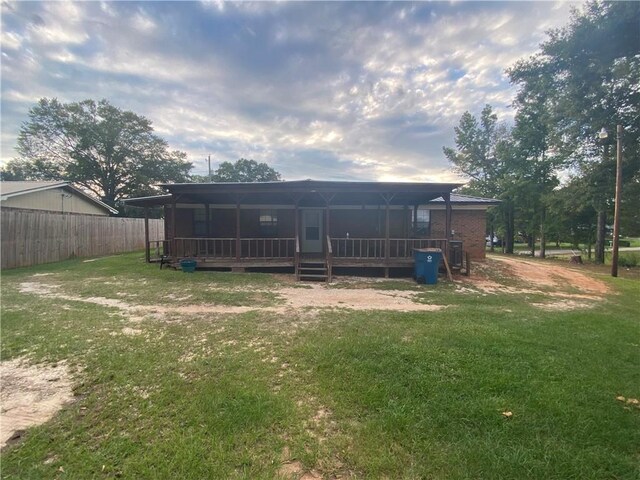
(303, 192)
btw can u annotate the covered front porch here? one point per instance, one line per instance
(310, 227)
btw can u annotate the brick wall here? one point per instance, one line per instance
(469, 226)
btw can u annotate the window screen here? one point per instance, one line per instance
(422, 222)
(200, 222)
(268, 222)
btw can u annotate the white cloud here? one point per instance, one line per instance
(374, 89)
(143, 22)
(10, 41)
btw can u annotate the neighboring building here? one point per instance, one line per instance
(59, 197)
(316, 226)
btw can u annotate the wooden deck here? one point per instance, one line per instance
(243, 253)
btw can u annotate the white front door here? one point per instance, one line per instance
(311, 236)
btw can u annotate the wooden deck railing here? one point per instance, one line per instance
(204, 247)
(289, 248)
(267, 247)
(226, 248)
(375, 248)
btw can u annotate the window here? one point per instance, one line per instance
(268, 222)
(200, 222)
(422, 222)
(312, 225)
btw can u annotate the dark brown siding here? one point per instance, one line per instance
(368, 223)
(184, 222)
(223, 222)
(469, 225)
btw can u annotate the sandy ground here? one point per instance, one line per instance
(314, 297)
(565, 287)
(30, 395)
(556, 276)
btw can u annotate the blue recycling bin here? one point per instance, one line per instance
(427, 263)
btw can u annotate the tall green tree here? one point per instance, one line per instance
(482, 153)
(590, 72)
(475, 153)
(534, 163)
(243, 170)
(108, 151)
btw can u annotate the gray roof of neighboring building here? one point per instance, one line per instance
(18, 188)
(10, 189)
(468, 199)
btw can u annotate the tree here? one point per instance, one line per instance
(17, 170)
(476, 143)
(533, 163)
(108, 151)
(589, 71)
(243, 170)
(482, 153)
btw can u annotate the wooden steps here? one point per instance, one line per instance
(313, 269)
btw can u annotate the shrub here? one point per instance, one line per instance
(629, 259)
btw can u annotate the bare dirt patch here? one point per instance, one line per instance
(566, 288)
(565, 305)
(294, 471)
(555, 276)
(30, 395)
(319, 296)
(315, 296)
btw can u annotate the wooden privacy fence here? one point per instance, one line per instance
(31, 237)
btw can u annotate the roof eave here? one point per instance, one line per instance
(66, 185)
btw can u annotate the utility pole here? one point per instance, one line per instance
(209, 162)
(616, 212)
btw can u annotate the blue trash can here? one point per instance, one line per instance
(188, 266)
(427, 263)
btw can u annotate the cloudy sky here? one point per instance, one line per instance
(341, 91)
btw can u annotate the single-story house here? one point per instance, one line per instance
(51, 196)
(315, 226)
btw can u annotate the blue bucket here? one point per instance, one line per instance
(188, 266)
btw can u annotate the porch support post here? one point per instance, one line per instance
(238, 230)
(447, 221)
(327, 228)
(174, 244)
(405, 221)
(386, 232)
(207, 213)
(327, 220)
(387, 243)
(296, 221)
(147, 247)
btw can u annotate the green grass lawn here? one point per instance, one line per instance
(348, 394)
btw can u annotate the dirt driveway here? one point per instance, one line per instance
(552, 275)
